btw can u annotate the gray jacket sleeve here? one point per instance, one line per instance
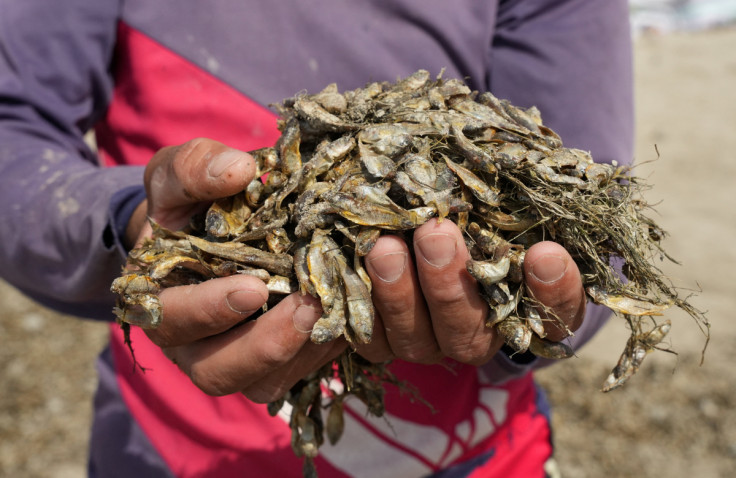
(57, 241)
(571, 59)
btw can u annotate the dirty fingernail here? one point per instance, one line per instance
(437, 249)
(245, 301)
(389, 267)
(305, 317)
(548, 268)
(222, 162)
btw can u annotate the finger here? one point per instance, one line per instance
(199, 170)
(235, 360)
(399, 302)
(457, 310)
(193, 312)
(310, 358)
(553, 278)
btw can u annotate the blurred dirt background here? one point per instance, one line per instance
(675, 418)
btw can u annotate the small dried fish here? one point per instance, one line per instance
(142, 305)
(637, 348)
(386, 158)
(626, 305)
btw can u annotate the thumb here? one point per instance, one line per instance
(200, 170)
(553, 279)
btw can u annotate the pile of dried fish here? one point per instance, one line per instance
(387, 158)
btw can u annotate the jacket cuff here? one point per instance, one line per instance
(122, 205)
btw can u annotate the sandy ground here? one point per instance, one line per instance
(675, 418)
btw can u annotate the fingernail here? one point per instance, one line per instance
(222, 162)
(305, 316)
(437, 249)
(389, 267)
(245, 301)
(548, 268)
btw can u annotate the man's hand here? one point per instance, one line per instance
(432, 309)
(425, 311)
(202, 329)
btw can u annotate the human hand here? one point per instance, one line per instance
(432, 309)
(183, 180)
(203, 329)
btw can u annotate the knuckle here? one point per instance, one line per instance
(472, 352)
(446, 294)
(209, 381)
(180, 169)
(193, 150)
(273, 354)
(420, 353)
(188, 161)
(214, 318)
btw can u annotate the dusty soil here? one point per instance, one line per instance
(48, 379)
(675, 418)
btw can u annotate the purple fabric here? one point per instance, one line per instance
(572, 59)
(122, 205)
(281, 48)
(54, 85)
